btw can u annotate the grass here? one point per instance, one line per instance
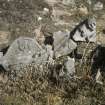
(34, 87)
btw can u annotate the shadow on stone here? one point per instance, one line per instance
(49, 40)
(4, 50)
(98, 60)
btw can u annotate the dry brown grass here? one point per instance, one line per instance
(34, 87)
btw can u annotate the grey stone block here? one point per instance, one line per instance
(62, 44)
(24, 51)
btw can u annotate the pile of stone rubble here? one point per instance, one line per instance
(25, 50)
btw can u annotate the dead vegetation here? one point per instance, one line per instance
(35, 85)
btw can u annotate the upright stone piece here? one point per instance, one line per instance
(70, 66)
(62, 44)
(98, 6)
(1, 56)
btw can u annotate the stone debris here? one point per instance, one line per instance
(62, 44)
(89, 2)
(98, 6)
(39, 18)
(4, 39)
(1, 56)
(70, 66)
(46, 11)
(98, 78)
(85, 31)
(50, 53)
(66, 68)
(24, 50)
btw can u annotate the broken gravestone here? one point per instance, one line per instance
(65, 68)
(62, 44)
(70, 66)
(50, 53)
(85, 31)
(23, 51)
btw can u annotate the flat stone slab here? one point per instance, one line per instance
(70, 66)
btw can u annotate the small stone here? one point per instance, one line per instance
(98, 6)
(99, 78)
(1, 54)
(89, 2)
(3, 78)
(50, 53)
(39, 18)
(46, 9)
(62, 44)
(70, 66)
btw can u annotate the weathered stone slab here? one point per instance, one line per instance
(85, 31)
(62, 44)
(50, 53)
(24, 50)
